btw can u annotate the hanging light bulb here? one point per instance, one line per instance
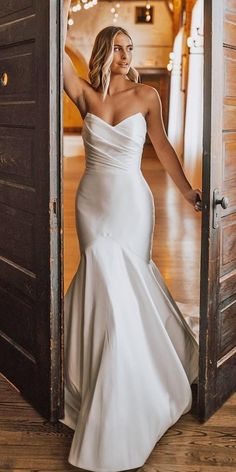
(70, 21)
(148, 10)
(85, 4)
(114, 11)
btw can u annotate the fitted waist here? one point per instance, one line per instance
(110, 166)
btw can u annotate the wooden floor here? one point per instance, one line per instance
(29, 443)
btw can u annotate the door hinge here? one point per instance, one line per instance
(54, 206)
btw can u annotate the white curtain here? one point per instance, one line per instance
(194, 105)
(176, 104)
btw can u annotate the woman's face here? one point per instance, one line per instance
(122, 54)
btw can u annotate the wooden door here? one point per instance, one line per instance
(30, 347)
(159, 78)
(217, 377)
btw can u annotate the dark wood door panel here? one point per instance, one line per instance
(229, 89)
(18, 63)
(229, 152)
(217, 378)
(229, 114)
(225, 379)
(226, 320)
(19, 25)
(228, 244)
(16, 156)
(15, 279)
(229, 171)
(22, 115)
(229, 36)
(30, 342)
(16, 311)
(229, 73)
(17, 233)
(227, 285)
(11, 194)
(13, 7)
(226, 327)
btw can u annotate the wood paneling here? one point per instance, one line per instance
(18, 63)
(229, 152)
(227, 271)
(10, 6)
(226, 328)
(230, 22)
(217, 375)
(29, 235)
(229, 89)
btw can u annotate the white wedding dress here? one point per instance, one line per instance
(130, 356)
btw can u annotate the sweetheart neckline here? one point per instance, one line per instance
(117, 124)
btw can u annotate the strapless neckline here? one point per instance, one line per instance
(139, 113)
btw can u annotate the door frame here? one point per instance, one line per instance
(56, 208)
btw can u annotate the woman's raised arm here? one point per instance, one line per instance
(73, 84)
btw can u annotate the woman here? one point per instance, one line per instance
(130, 358)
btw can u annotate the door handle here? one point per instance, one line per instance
(223, 202)
(4, 79)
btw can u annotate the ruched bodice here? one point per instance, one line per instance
(116, 147)
(113, 185)
(129, 355)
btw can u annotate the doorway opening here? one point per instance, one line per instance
(169, 56)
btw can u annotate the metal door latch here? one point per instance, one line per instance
(224, 202)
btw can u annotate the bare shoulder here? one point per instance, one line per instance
(149, 96)
(149, 93)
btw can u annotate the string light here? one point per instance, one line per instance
(79, 5)
(70, 21)
(115, 12)
(147, 12)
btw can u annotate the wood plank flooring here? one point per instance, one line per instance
(29, 443)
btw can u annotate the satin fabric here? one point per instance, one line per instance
(130, 357)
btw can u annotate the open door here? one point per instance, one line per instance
(30, 144)
(217, 375)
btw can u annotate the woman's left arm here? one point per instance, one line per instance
(165, 151)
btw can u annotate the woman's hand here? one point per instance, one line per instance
(194, 197)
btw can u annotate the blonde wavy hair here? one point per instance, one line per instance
(102, 57)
